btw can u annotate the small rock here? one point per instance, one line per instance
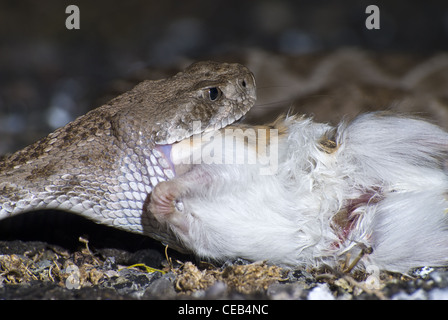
(321, 292)
(162, 287)
(287, 291)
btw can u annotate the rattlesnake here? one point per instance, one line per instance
(104, 164)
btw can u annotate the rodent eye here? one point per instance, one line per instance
(214, 93)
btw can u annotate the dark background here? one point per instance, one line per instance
(49, 75)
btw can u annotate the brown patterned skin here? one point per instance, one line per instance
(104, 164)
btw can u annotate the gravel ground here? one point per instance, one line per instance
(122, 266)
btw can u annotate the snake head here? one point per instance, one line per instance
(205, 97)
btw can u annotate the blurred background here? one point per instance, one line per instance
(309, 56)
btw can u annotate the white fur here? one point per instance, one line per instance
(396, 163)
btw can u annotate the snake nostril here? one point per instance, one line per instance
(248, 82)
(243, 83)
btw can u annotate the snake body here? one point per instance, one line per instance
(105, 164)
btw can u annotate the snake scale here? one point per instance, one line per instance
(104, 164)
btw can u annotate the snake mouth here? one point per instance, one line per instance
(167, 162)
(179, 131)
(171, 158)
(174, 159)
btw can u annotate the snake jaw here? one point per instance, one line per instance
(165, 151)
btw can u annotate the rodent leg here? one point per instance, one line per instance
(165, 200)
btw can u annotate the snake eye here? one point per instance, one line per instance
(214, 93)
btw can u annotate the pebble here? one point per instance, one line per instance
(321, 292)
